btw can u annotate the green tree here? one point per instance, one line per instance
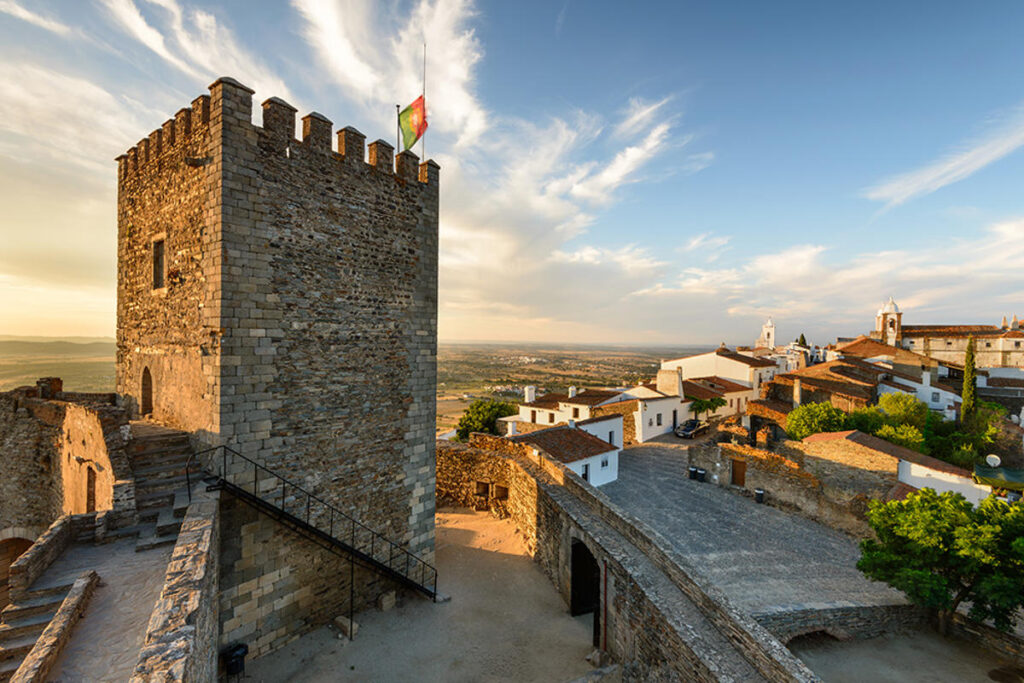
(802, 341)
(968, 394)
(905, 435)
(482, 416)
(904, 409)
(941, 551)
(868, 419)
(812, 418)
(706, 405)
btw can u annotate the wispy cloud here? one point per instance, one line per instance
(560, 20)
(19, 12)
(638, 116)
(1006, 135)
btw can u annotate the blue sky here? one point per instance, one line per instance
(612, 172)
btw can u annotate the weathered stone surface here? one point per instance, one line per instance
(386, 601)
(37, 664)
(346, 626)
(181, 639)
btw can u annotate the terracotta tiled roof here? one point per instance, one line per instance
(900, 491)
(692, 390)
(864, 347)
(740, 358)
(952, 331)
(547, 401)
(565, 443)
(599, 418)
(1005, 382)
(590, 397)
(883, 446)
(721, 384)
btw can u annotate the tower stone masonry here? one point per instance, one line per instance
(281, 298)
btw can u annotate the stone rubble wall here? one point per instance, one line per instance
(49, 446)
(642, 633)
(44, 654)
(1008, 645)
(182, 636)
(51, 544)
(843, 623)
(627, 409)
(786, 485)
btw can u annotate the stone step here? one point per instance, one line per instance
(145, 444)
(167, 523)
(163, 486)
(51, 587)
(152, 502)
(8, 668)
(33, 624)
(161, 457)
(181, 503)
(159, 473)
(30, 606)
(16, 646)
(154, 540)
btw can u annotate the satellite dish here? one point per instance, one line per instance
(993, 460)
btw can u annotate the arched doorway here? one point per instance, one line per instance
(147, 393)
(585, 586)
(10, 550)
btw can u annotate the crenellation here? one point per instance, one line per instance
(201, 110)
(351, 145)
(316, 132)
(382, 156)
(155, 144)
(279, 123)
(183, 123)
(406, 165)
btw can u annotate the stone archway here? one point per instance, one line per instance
(10, 550)
(146, 402)
(585, 586)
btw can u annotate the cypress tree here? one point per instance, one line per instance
(803, 340)
(969, 392)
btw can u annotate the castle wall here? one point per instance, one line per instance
(168, 189)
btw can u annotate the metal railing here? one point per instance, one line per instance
(243, 475)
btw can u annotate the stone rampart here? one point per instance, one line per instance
(1008, 645)
(553, 512)
(182, 637)
(843, 623)
(36, 666)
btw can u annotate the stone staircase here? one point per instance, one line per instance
(159, 456)
(22, 621)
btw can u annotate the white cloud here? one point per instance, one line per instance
(705, 242)
(17, 11)
(1004, 137)
(375, 72)
(131, 20)
(639, 115)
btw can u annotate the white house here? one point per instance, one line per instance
(592, 458)
(722, 362)
(555, 408)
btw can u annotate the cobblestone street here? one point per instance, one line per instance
(765, 559)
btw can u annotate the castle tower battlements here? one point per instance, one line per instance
(280, 297)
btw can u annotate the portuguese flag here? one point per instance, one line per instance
(413, 122)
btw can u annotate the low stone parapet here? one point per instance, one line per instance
(181, 639)
(40, 555)
(842, 622)
(37, 664)
(1008, 645)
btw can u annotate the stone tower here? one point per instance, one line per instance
(280, 297)
(889, 323)
(767, 338)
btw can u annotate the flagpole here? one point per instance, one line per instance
(423, 138)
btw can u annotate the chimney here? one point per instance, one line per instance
(572, 392)
(679, 382)
(798, 392)
(572, 424)
(926, 378)
(529, 393)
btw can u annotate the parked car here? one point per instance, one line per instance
(691, 428)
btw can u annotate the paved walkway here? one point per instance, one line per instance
(765, 560)
(105, 643)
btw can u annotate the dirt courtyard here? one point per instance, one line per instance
(505, 622)
(896, 658)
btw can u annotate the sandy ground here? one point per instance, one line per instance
(505, 622)
(897, 658)
(105, 644)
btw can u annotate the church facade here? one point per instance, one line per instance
(995, 346)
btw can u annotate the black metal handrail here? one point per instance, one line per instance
(306, 508)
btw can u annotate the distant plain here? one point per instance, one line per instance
(465, 370)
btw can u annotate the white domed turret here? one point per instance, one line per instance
(890, 306)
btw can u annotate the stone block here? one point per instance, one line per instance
(348, 628)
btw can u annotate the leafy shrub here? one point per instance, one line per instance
(904, 435)
(482, 416)
(812, 418)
